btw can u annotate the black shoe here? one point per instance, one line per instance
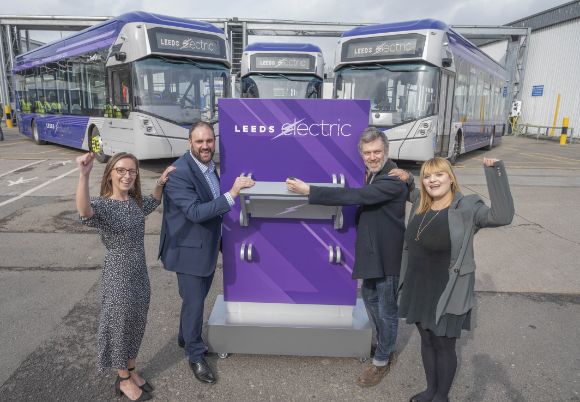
(145, 396)
(180, 343)
(420, 397)
(145, 387)
(202, 371)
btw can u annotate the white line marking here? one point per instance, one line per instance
(22, 167)
(21, 180)
(62, 163)
(32, 190)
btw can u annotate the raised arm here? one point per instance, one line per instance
(502, 209)
(83, 201)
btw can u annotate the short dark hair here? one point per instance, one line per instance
(200, 123)
(372, 134)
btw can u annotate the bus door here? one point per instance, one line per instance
(120, 128)
(445, 111)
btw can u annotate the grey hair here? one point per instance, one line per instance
(372, 134)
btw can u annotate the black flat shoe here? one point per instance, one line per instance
(417, 398)
(145, 387)
(202, 371)
(145, 396)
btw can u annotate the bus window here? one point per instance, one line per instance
(95, 89)
(62, 94)
(75, 88)
(120, 80)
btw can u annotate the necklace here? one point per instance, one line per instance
(422, 228)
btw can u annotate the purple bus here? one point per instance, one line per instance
(432, 91)
(134, 83)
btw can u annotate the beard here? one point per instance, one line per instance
(198, 155)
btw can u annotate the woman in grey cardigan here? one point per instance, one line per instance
(437, 272)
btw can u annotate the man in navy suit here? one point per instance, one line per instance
(190, 236)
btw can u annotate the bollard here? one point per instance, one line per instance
(8, 113)
(564, 133)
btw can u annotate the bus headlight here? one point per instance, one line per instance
(147, 125)
(425, 128)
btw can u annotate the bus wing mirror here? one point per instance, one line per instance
(120, 56)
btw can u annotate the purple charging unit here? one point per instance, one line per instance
(288, 264)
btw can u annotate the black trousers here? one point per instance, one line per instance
(193, 291)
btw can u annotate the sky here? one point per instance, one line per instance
(477, 12)
(453, 12)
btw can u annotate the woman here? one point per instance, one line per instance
(437, 274)
(119, 214)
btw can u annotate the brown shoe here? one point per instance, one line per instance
(372, 375)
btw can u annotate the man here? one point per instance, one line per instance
(380, 229)
(190, 236)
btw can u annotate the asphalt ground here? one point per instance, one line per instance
(525, 345)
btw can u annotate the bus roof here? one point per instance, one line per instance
(458, 41)
(397, 27)
(103, 35)
(282, 47)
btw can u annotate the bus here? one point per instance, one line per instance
(281, 70)
(432, 91)
(134, 83)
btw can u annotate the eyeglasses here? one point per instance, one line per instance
(123, 172)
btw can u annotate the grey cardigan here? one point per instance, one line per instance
(467, 214)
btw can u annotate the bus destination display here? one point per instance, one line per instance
(392, 47)
(282, 62)
(185, 43)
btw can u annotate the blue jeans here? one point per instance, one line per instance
(380, 298)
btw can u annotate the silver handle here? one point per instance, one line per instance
(243, 252)
(337, 255)
(249, 250)
(330, 254)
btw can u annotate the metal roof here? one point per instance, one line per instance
(552, 16)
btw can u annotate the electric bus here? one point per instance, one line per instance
(282, 70)
(134, 83)
(432, 91)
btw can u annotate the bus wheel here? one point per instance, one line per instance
(456, 149)
(491, 140)
(36, 136)
(96, 146)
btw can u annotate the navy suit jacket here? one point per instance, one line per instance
(191, 226)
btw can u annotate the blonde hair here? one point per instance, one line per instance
(107, 181)
(431, 166)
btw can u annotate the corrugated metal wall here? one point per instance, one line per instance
(554, 62)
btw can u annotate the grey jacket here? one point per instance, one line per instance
(467, 214)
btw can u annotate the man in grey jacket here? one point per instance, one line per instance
(380, 229)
